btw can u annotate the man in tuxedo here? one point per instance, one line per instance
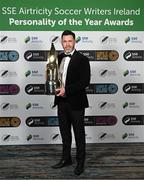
(71, 100)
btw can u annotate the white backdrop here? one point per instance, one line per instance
(116, 94)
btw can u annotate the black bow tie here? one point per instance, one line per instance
(67, 55)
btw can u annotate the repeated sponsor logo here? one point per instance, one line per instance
(134, 55)
(127, 39)
(133, 120)
(107, 55)
(9, 89)
(27, 39)
(34, 106)
(107, 88)
(9, 121)
(106, 136)
(42, 121)
(6, 137)
(5, 73)
(126, 72)
(55, 39)
(55, 136)
(84, 39)
(6, 106)
(129, 135)
(106, 105)
(5, 39)
(125, 105)
(34, 137)
(130, 105)
(100, 120)
(32, 39)
(133, 39)
(108, 40)
(131, 72)
(133, 88)
(33, 73)
(78, 39)
(9, 138)
(35, 89)
(28, 73)
(36, 55)
(107, 73)
(8, 56)
(29, 137)
(28, 106)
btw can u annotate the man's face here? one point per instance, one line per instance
(68, 43)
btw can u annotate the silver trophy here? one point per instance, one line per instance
(53, 80)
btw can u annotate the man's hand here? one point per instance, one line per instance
(60, 92)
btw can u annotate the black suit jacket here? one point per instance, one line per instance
(77, 79)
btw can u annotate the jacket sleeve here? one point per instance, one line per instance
(83, 81)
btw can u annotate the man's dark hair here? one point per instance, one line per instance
(68, 32)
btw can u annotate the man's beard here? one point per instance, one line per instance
(69, 51)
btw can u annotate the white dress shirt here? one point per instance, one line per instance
(64, 66)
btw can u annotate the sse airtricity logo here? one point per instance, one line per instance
(133, 39)
(32, 39)
(36, 55)
(133, 120)
(133, 88)
(42, 121)
(134, 55)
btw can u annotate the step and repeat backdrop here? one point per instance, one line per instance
(110, 35)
